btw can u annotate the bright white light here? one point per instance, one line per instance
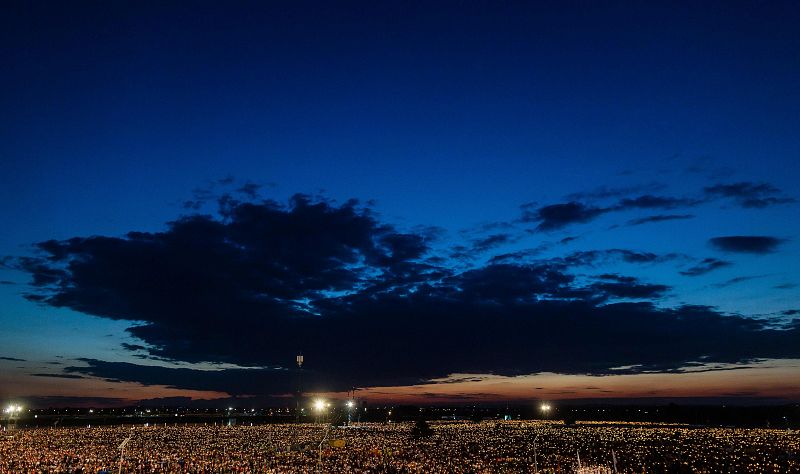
(545, 407)
(319, 405)
(350, 404)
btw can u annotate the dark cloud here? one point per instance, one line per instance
(584, 207)
(735, 280)
(605, 192)
(224, 189)
(12, 359)
(617, 286)
(508, 282)
(367, 305)
(654, 202)
(706, 265)
(259, 252)
(42, 272)
(460, 252)
(486, 243)
(747, 194)
(132, 347)
(249, 189)
(597, 257)
(193, 205)
(659, 218)
(557, 216)
(453, 380)
(785, 286)
(758, 244)
(6, 282)
(589, 258)
(520, 256)
(60, 376)
(75, 402)
(486, 227)
(420, 339)
(232, 381)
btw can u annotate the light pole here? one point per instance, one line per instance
(231, 419)
(545, 408)
(122, 451)
(300, 359)
(324, 438)
(350, 405)
(13, 412)
(319, 406)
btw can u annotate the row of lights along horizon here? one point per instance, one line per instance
(318, 405)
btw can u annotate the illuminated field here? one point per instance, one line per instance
(454, 447)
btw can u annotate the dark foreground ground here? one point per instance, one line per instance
(456, 447)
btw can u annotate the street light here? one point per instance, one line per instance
(12, 411)
(299, 393)
(350, 405)
(545, 408)
(319, 406)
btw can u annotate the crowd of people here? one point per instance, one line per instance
(453, 447)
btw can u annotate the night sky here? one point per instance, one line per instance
(435, 202)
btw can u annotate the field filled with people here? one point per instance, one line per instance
(450, 447)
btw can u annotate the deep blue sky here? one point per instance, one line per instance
(454, 115)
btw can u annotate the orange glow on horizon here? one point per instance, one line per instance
(779, 379)
(769, 379)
